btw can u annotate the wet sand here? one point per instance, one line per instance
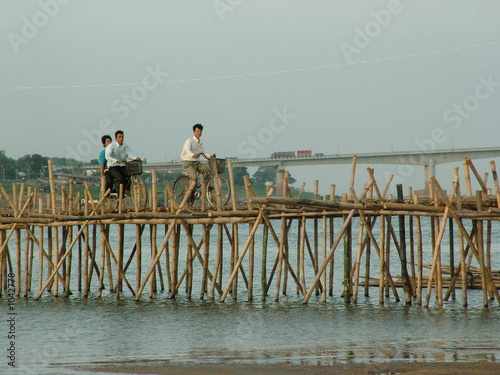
(388, 368)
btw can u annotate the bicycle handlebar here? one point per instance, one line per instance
(205, 156)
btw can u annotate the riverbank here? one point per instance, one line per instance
(231, 368)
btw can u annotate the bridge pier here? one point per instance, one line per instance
(280, 175)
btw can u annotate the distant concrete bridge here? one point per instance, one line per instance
(429, 159)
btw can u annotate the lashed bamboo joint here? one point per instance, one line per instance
(79, 243)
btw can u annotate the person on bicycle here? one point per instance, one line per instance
(117, 153)
(106, 140)
(193, 148)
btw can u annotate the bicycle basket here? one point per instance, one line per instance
(134, 167)
(220, 165)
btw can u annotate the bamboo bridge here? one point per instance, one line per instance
(60, 243)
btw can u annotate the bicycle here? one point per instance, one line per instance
(181, 186)
(138, 191)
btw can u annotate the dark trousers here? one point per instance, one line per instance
(109, 182)
(120, 176)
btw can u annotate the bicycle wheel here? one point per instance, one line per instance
(181, 186)
(111, 202)
(138, 191)
(225, 191)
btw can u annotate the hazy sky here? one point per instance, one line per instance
(262, 76)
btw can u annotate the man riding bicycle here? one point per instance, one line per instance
(193, 148)
(117, 153)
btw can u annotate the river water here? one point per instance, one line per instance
(55, 334)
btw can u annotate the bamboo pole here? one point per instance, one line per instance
(286, 192)
(436, 264)
(480, 248)
(332, 249)
(402, 251)
(495, 181)
(167, 235)
(285, 257)
(56, 266)
(248, 193)
(412, 249)
(452, 251)
(19, 214)
(103, 260)
(154, 190)
(353, 172)
(439, 266)
(487, 262)
(304, 241)
(92, 258)
(367, 263)
(218, 262)
(468, 186)
(231, 184)
(301, 190)
(463, 271)
(331, 238)
(466, 236)
(418, 229)
(481, 182)
(152, 239)
(263, 272)
(244, 250)
(14, 195)
(64, 198)
(384, 266)
(40, 251)
(251, 265)
(324, 252)
(52, 186)
(3, 265)
(387, 185)
(11, 202)
(18, 262)
(357, 263)
(347, 261)
(21, 194)
(138, 256)
(206, 253)
(234, 256)
(282, 242)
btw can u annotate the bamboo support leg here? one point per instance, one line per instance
(234, 255)
(357, 264)
(324, 252)
(251, 265)
(461, 228)
(263, 272)
(331, 239)
(138, 256)
(27, 242)
(18, 263)
(206, 252)
(103, 262)
(280, 259)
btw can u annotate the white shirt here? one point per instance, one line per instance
(191, 147)
(114, 151)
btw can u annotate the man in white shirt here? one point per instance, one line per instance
(193, 148)
(117, 153)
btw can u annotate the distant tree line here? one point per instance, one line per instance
(33, 166)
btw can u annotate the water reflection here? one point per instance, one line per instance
(79, 330)
(92, 330)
